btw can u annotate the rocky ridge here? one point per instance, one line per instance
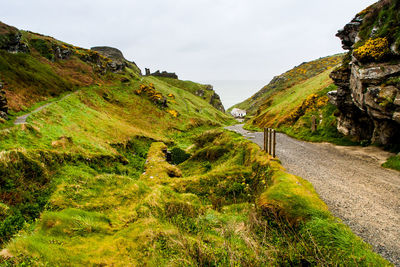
(164, 74)
(118, 61)
(368, 94)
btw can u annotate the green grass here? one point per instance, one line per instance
(384, 20)
(240, 210)
(393, 163)
(289, 79)
(95, 127)
(291, 111)
(22, 71)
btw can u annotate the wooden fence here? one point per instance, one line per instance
(270, 141)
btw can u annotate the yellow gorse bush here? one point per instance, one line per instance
(151, 92)
(312, 102)
(373, 49)
(173, 112)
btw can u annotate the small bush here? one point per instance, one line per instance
(43, 48)
(373, 50)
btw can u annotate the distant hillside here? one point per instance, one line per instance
(35, 68)
(41, 67)
(206, 92)
(293, 100)
(286, 80)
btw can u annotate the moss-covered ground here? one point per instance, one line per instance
(86, 182)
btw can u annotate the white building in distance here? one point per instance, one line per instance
(238, 113)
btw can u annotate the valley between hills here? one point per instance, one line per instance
(102, 165)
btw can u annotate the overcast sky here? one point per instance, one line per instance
(200, 40)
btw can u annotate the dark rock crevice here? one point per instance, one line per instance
(3, 103)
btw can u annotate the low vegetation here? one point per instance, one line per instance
(228, 204)
(289, 79)
(393, 163)
(381, 23)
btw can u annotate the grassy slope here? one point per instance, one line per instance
(200, 212)
(286, 80)
(190, 86)
(87, 182)
(102, 202)
(196, 89)
(39, 76)
(290, 110)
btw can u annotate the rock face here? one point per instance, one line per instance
(61, 53)
(10, 39)
(215, 101)
(3, 104)
(118, 62)
(368, 94)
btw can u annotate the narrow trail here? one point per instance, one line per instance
(351, 182)
(22, 119)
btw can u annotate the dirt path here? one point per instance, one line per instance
(351, 182)
(22, 119)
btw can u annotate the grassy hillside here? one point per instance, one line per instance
(228, 204)
(287, 80)
(206, 92)
(291, 108)
(48, 69)
(86, 181)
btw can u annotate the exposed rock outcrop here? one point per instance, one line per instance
(118, 62)
(3, 104)
(61, 52)
(368, 94)
(162, 74)
(215, 101)
(10, 39)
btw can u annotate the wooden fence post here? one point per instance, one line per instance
(265, 139)
(270, 141)
(313, 123)
(274, 143)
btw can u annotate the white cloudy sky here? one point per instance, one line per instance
(202, 40)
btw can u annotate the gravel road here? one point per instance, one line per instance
(351, 182)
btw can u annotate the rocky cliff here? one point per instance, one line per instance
(118, 61)
(368, 94)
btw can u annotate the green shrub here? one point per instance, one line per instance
(43, 48)
(393, 163)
